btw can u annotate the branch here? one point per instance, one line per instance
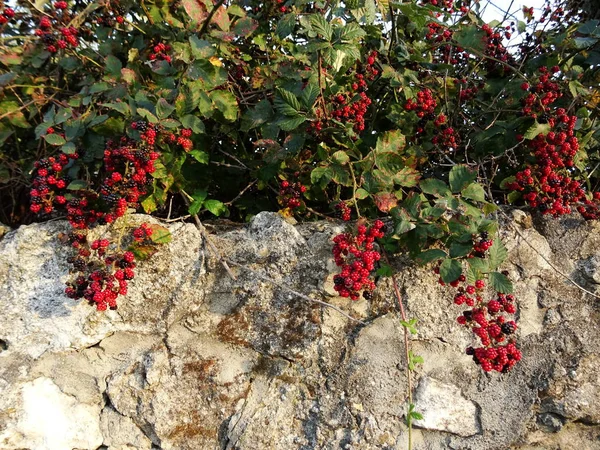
(210, 16)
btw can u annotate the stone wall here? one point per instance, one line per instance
(195, 360)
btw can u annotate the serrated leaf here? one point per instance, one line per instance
(113, 65)
(309, 95)
(497, 254)
(351, 32)
(433, 186)
(163, 108)
(500, 283)
(149, 204)
(474, 191)
(201, 49)
(537, 128)
(55, 139)
(147, 115)
(450, 270)
(142, 252)
(69, 148)
(121, 107)
(160, 234)
(321, 26)
(200, 156)
(196, 204)
(216, 207)
(286, 25)
(291, 123)
(460, 177)
(193, 123)
(361, 194)
(385, 271)
(287, 103)
(458, 249)
(479, 264)
(226, 103)
(340, 157)
(433, 254)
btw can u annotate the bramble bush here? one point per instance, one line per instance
(365, 109)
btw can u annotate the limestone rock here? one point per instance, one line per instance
(444, 408)
(193, 359)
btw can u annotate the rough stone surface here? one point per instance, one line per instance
(195, 360)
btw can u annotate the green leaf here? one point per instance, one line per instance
(474, 191)
(433, 186)
(410, 325)
(479, 264)
(147, 115)
(196, 205)
(537, 128)
(458, 249)
(160, 234)
(194, 123)
(121, 107)
(497, 254)
(321, 176)
(226, 103)
(216, 207)
(200, 156)
(407, 177)
(201, 49)
(55, 139)
(149, 204)
(291, 123)
(142, 252)
(286, 25)
(340, 157)
(500, 283)
(113, 66)
(471, 37)
(361, 194)
(309, 95)
(77, 185)
(321, 26)
(450, 270)
(460, 177)
(69, 148)
(163, 109)
(385, 271)
(351, 32)
(287, 103)
(433, 254)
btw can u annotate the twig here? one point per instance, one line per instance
(186, 198)
(298, 294)
(230, 202)
(210, 16)
(546, 259)
(406, 345)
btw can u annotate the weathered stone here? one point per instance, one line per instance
(444, 408)
(193, 359)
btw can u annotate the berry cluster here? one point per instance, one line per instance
(357, 258)
(486, 320)
(183, 140)
(290, 194)
(481, 244)
(351, 106)
(102, 273)
(54, 30)
(7, 14)
(102, 268)
(49, 186)
(548, 185)
(344, 211)
(111, 13)
(496, 53)
(160, 53)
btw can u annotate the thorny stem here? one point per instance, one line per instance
(406, 348)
